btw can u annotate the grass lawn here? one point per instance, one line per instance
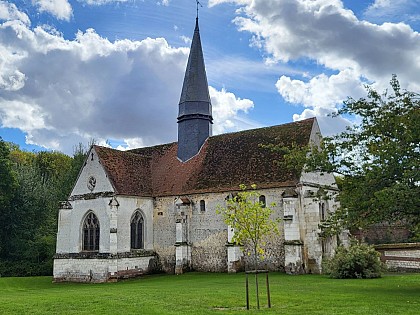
(207, 293)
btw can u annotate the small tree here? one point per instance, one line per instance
(251, 221)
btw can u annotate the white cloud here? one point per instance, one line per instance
(186, 39)
(9, 11)
(333, 36)
(101, 2)
(329, 125)
(164, 2)
(226, 110)
(131, 143)
(61, 92)
(28, 116)
(321, 91)
(325, 33)
(395, 11)
(61, 9)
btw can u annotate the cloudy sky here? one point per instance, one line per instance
(112, 70)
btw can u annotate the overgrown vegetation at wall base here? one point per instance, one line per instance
(356, 261)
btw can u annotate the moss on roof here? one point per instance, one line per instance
(224, 162)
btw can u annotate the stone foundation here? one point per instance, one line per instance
(101, 267)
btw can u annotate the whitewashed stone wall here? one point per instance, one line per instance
(313, 244)
(92, 168)
(114, 222)
(100, 270)
(114, 214)
(400, 257)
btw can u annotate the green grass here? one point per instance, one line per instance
(201, 293)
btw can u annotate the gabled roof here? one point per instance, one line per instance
(224, 162)
(129, 173)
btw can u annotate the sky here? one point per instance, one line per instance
(73, 71)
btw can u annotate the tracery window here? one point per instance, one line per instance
(137, 231)
(91, 233)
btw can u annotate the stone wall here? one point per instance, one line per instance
(205, 232)
(303, 214)
(114, 222)
(92, 167)
(400, 257)
(101, 269)
(185, 233)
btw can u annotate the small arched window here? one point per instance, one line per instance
(202, 205)
(261, 199)
(91, 233)
(137, 231)
(322, 212)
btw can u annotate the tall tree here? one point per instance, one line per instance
(34, 184)
(378, 159)
(8, 186)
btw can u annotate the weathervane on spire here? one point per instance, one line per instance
(198, 3)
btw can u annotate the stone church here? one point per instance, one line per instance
(154, 209)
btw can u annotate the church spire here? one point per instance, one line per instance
(195, 112)
(195, 87)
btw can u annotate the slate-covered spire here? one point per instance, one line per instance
(195, 113)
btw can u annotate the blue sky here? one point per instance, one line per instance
(112, 70)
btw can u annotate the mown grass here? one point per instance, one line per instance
(205, 293)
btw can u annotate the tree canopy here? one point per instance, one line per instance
(378, 159)
(31, 185)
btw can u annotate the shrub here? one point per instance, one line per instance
(355, 261)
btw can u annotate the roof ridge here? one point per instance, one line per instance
(265, 127)
(227, 133)
(119, 151)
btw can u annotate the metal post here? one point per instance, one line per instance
(247, 293)
(256, 288)
(268, 290)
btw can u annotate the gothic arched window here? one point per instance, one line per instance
(91, 232)
(137, 231)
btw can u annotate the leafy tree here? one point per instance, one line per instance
(8, 185)
(378, 159)
(38, 181)
(250, 220)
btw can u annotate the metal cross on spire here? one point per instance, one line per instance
(198, 3)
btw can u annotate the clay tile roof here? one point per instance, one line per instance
(129, 173)
(224, 162)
